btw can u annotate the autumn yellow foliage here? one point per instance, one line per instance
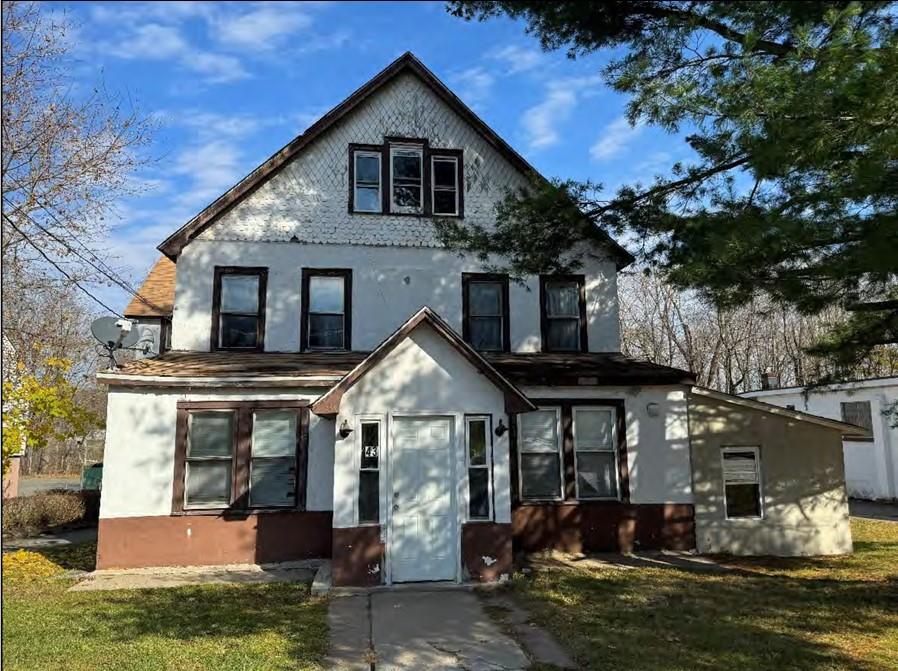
(25, 566)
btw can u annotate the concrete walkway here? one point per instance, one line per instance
(441, 630)
(70, 537)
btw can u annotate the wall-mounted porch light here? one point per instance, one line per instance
(345, 429)
(501, 429)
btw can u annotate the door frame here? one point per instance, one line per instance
(456, 449)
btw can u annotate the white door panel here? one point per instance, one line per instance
(423, 540)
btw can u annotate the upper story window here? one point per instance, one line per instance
(238, 308)
(563, 313)
(326, 309)
(485, 312)
(407, 179)
(406, 176)
(366, 188)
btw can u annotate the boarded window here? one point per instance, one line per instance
(742, 482)
(859, 414)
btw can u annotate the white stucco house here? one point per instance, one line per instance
(337, 385)
(871, 459)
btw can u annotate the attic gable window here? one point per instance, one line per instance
(406, 176)
(407, 179)
(366, 187)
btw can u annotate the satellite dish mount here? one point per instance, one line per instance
(114, 334)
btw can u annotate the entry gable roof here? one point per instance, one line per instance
(408, 62)
(515, 401)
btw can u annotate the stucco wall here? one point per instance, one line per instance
(423, 375)
(138, 461)
(657, 445)
(389, 284)
(805, 506)
(299, 218)
(871, 469)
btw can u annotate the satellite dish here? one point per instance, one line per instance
(114, 333)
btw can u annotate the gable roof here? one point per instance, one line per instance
(173, 245)
(842, 427)
(156, 296)
(515, 401)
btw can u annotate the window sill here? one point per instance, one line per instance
(567, 502)
(480, 521)
(234, 512)
(738, 520)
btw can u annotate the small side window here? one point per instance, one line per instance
(859, 414)
(445, 189)
(477, 438)
(742, 482)
(369, 473)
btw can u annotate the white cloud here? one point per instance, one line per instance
(212, 168)
(615, 138)
(260, 29)
(154, 41)
(516, 58)
(474, 84)
(542, 121)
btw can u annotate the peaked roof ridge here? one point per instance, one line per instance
(515, 401)
(174, 243)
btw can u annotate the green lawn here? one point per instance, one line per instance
(828, 613)
(239, 627)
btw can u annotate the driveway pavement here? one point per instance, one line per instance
(441, 630)
(874, 510)
(69, 537)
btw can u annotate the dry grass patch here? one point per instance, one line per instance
(801, 614)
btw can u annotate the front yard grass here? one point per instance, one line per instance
(229, 627)
(820, 614)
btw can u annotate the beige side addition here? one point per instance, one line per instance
(804, 505)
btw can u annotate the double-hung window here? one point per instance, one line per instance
(366, 195)
(369, 472)
(239, 455)
(477, 439)
(539, 440)
(238, 320)
(445, 191)
(272, 467)
(209, 460)
(563, 308)
(742, 482)
(485, 309)
(407, 179)
(326, 309)
(595, 452)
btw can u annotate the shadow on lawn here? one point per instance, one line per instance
(672, 619)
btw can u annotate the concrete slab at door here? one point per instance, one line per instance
(423, 536)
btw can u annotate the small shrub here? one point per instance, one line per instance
(26, 566)
(44, 511)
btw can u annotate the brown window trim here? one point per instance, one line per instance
(543, 317)
(567, 452)
(307, 274)
(386, 187)
(243, 420)
(220, 271)
(466, 280)
(373, 148)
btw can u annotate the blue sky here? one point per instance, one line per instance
(230, 83)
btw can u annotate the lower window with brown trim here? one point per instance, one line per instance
(240, 456)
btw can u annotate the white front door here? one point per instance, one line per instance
(423, 526)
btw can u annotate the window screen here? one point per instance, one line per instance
(210, 451)
(272, 477)
(562, 315)
(594, 448)
(540, 452)
(859, 414)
